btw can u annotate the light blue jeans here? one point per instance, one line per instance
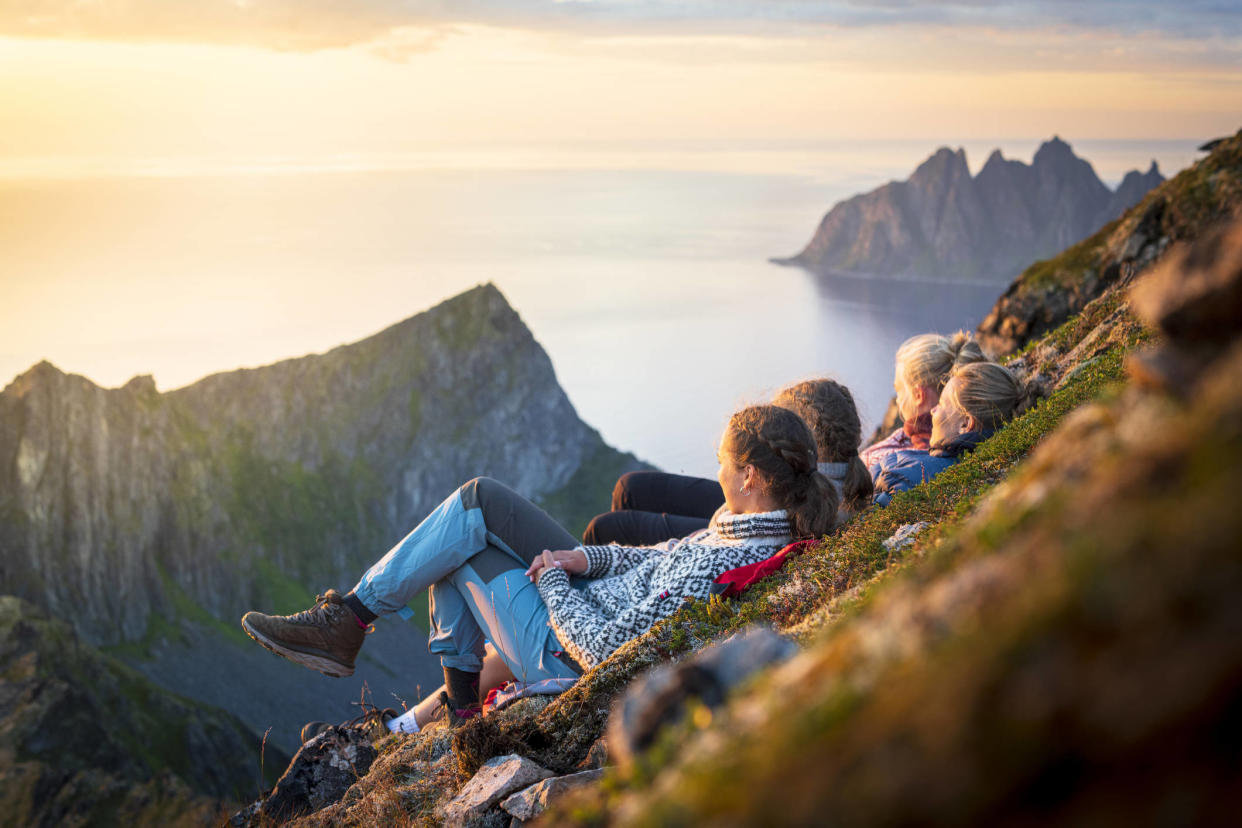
(472, 551)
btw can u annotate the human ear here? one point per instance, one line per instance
(969, 424)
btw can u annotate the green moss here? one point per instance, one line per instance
(1069, 267)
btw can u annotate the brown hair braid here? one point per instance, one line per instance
(782, 449)
(828, 408)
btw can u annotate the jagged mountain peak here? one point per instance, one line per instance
(943, 223)
(34, 374)
(1052, 148)
(258, 487)
(943, 161)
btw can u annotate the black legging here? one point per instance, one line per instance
(649, 507)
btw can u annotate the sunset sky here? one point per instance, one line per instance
(532, 144)
(85, 85)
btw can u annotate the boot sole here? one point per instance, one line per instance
(320, 663)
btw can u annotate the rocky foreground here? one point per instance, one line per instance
(1047, 632)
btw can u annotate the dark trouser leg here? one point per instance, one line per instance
(675, 494)
(630, 528)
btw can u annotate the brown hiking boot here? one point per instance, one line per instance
(325, 637)
(373, 723)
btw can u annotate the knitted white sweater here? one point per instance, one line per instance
(637, 586)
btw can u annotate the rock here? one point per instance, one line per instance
(320, 773)
(597, 756)
(530, 802)
(904, 536)
(1195, 295)
(497, 778)
(659, 697)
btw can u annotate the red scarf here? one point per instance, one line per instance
(919, 431)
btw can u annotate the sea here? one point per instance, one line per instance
(643, 271)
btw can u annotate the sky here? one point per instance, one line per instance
(89, 85)
(124, 90)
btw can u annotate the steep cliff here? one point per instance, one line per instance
(152, 521)
(944, 223)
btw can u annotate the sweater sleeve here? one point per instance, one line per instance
(603, 561)
(590, 636)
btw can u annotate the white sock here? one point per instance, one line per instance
(405, 723)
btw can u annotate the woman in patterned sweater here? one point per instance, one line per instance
(500, 569)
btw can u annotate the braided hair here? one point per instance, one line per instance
(828, 408)
(782, 449)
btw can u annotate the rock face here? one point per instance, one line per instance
(144, 518)
(944, 223)
(89, 741)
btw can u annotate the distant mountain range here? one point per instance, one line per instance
(943, 223)
(150, 522)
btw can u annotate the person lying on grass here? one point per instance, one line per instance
(500, 569)
(977, 400)
(924, 363)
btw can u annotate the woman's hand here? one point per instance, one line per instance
(573, 561)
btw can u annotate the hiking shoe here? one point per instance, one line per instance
(373, 724)
(456, 717)
(325, 637)
(312, 729)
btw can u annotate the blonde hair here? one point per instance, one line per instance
(927, 359)
(989, 393)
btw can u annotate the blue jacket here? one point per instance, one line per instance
(905, 469)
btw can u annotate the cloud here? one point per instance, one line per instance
(402, 26)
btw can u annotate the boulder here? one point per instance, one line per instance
(497, 778)
(529, 803)
(1195, 298)
(660, 696)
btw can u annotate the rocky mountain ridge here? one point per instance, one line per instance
(943, 223)
(151, 522)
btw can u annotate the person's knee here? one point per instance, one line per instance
(607, 528)
(597, 530)
(474, 492)
(622, 492)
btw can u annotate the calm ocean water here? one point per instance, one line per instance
(649, 287)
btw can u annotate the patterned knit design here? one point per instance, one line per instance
(635, 587)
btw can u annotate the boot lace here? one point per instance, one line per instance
(326, 610)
